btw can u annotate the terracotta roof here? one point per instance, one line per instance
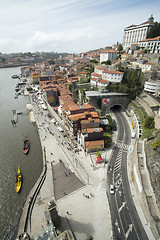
(141, 51)
(94, 120)
(148, 63)
(73, 107)
(109, 51)
(87, 106)
(94, 143)
(150, 39)
(95, 79)
(112, 72)
(104, 81)
(100, 67)
(95, 74)
(76, 117)
(94, 114)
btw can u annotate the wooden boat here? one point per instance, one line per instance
(26, 145)
(18, 182)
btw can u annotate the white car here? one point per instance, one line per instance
(112, 190)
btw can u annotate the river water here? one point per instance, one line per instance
(11, 154)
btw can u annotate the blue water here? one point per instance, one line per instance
(11, 154)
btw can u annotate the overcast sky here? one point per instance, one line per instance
(69, 25)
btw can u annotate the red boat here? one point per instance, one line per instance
(26, 145)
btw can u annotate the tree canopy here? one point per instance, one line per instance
(108, 62)
(155, 31)
(131, 84)
(120, 48)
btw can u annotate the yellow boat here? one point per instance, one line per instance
(18, 182)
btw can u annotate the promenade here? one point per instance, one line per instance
(78, 185)
(85, 197)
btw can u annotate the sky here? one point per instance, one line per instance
(71, 26)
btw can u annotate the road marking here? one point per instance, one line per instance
(117, 164)
(118, 183)
(123, 204)
(122, 146)
(129, 230)
(120, 193)
(117, 169)
(117, 225)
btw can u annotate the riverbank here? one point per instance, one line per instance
(29, 203)
(97, 221)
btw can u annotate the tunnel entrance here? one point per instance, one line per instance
(116, 108)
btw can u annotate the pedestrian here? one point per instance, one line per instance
(68, 213)
(90, 238)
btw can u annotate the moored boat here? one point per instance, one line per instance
(18, 182)
(26, 147)
(15, 76)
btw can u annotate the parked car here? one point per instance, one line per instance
(112, 189)
(99, 159)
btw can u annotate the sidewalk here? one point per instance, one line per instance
(88, 216)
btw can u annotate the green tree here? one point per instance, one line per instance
(149, 122)
(3, 60)
(120, 48)
(98, 154)
(93, 60)
(91, 68)
(130, 84)
(108, 62)
(155, 31)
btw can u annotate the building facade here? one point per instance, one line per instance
(112, 76)
(108, 55)
(152, 87)
(151, 44)
(136, 33)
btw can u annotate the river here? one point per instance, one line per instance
(11, 154)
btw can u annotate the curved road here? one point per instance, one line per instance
(125, 219)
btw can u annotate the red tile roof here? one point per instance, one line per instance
(94, 143)
(148, 63)
(109, 51)
(151, 39)
(95, 74)
(112, 72)
(104, 81)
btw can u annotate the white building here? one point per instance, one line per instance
(94, 81)
(108, 54)
(152, 86)
(112, 76)
(99, 70)
(152, 44)
(136, 33)
(147, 67)
(102, 83)
(102, 80)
